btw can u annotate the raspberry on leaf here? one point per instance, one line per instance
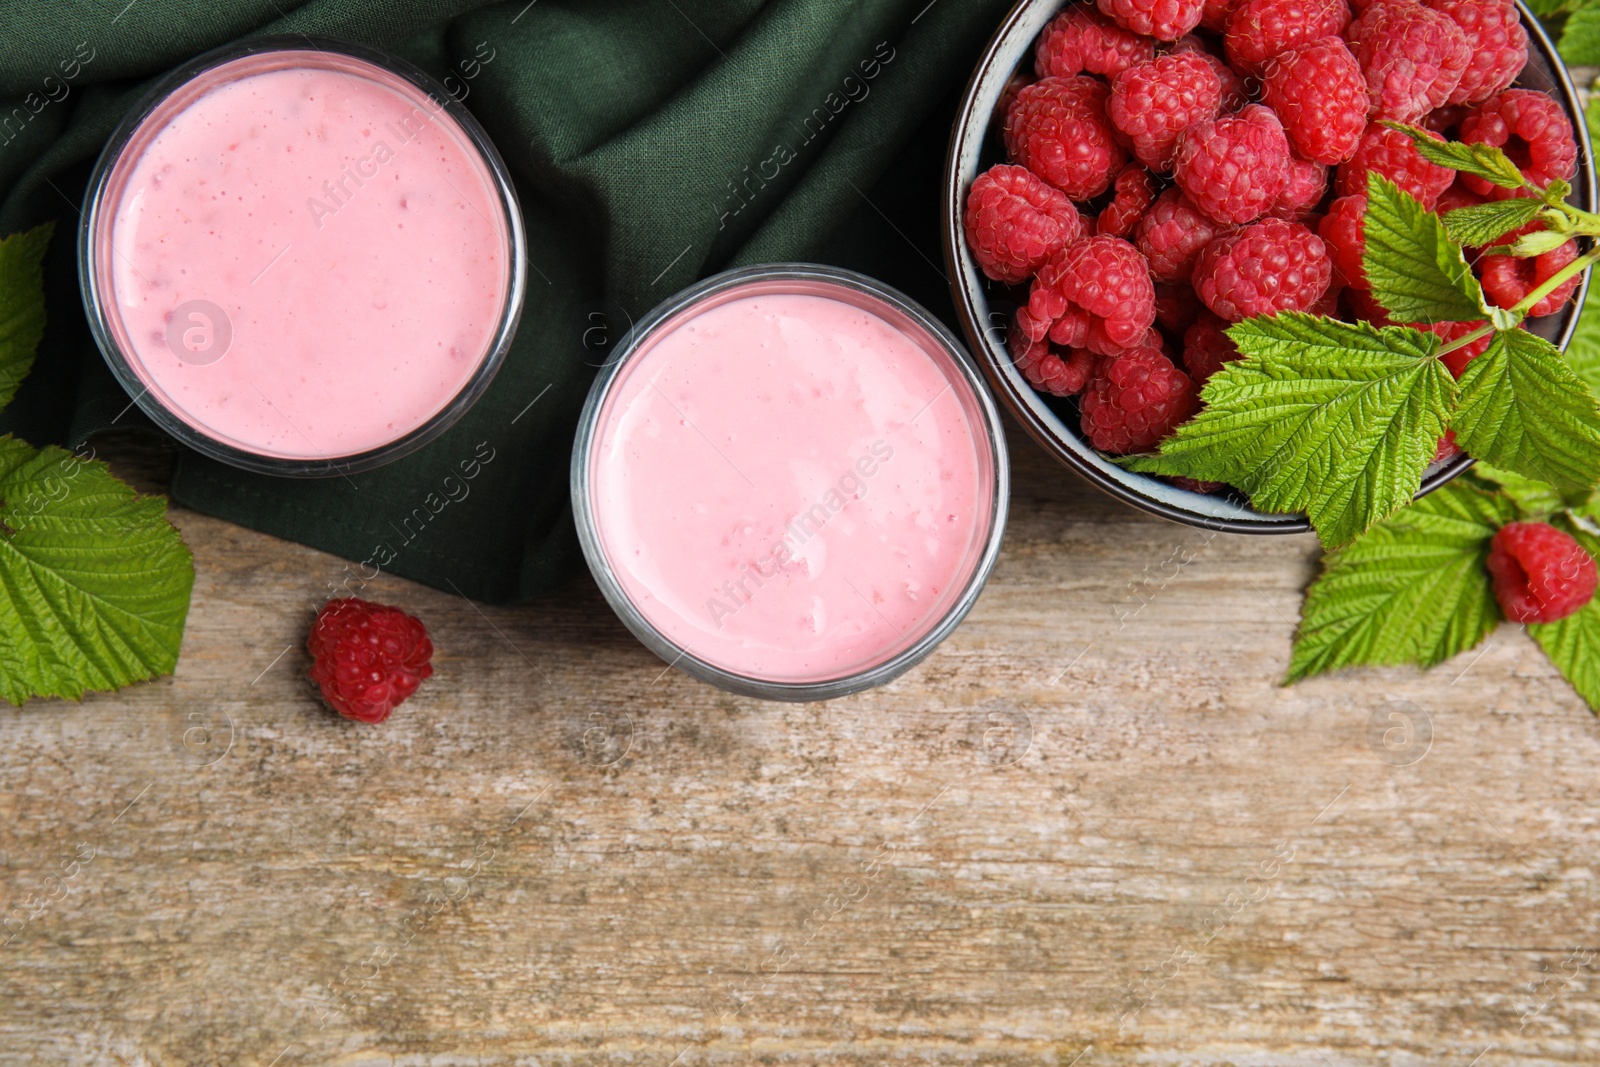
(367, 658)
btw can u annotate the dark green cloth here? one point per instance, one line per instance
(650, 142)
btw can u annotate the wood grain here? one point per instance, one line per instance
(1092, 829)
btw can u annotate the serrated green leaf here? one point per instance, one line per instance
(1573, 643)
(1550, 7)
(1557, 191)
(1482, 223)
(1523, 409)
(94, 582)
(1484, 161)
(21, 305)
(1416, 272)
(1580, 37)
(1413, 589)
(1335, 419)
(1533, 499)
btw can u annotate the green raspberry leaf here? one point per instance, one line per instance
(1522, 408)
(1412, 589)
(21, 305)
(1573, 643)
(1550, 7)
(1535, 501)
(1482, 223)
(94, 582)
(1335, 419)
(1583, 351)
(1416, 272)
(1538, 243)
(1482, 160)
(1580, 38)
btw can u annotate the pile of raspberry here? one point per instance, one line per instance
(1179, 165)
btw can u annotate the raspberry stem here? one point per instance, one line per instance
(1551, 284)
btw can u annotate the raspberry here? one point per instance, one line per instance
(1458, 195)
(1413, 57)
(1165, 20)
(1214, 15)
(1540, 573)
(1177, 305)
(1015, 221)
(1507, 280)
(1235, 94)
(1458, 359)
(1172, 234)
(1080, 39)
(1448, 449)
(1341, 230)
(1233, 168)
(1261, 29)
(1058, 129)
(1299, 199)
(1363, 308)
(1154, 102)
(1320, 95)
(1532, 129)
(1043, 369)
(1136, 191)
(1138, 398)
(1096, 294)
(367, 658)
(1269, 266)
(1206, 348)
(1445, 120)
(1391, 154)
(1497, 41)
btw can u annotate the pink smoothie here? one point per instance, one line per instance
(790, 487)
(349, 232)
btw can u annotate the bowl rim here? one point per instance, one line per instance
(1014, 394)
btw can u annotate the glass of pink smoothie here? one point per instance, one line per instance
(790, 482)
(302, 256)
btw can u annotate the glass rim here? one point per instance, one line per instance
(670, 651)
(92, 287)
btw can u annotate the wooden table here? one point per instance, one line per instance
(1092, 829)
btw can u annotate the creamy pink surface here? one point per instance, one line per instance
(789, 487)
(349, 231)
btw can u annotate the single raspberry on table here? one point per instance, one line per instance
(1299, 199)
(1137, 398)
(1458, 359)
(1044, 369)
(1165, 20)
(1269, 266)
(1320, 94)
(367, 658)
(1080, 39)
(1172, 233)
(1058, 129)
(1258, 30)
(1096, 294)
(1206, 347)
(1533, 131)
(1015, 221)
(1413, 57)
(1341, 230)
(1154, 102)
(1135, 192)
(1540, 573)
(1507, 280)
(1496, 40)
(1391, 154)
(1233, 168)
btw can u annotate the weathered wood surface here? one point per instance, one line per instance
(1091, 829)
